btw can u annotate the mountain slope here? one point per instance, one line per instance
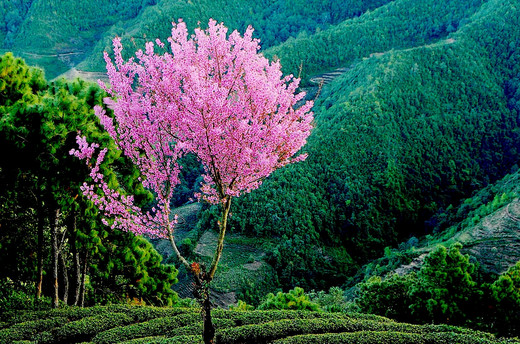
(400, 136)
(397, 25)
(58, 36)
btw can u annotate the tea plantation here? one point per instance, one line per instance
(138, 324)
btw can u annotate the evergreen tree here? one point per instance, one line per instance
(445, 291)
(506, 293)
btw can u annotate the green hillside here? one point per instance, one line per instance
(58, 36)
(399, 136)
(397, 25)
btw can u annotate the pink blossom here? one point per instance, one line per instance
(213, 95)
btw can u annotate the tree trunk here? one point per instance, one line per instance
(202, 293)
(208, 333)
(202, 277)
(55, 253)
(77, 274)
(83, 276)
(76, 266)
(39, 273)
(222, 233)
(65, 274)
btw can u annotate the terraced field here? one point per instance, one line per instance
(138, 324)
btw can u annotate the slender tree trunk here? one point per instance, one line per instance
(77, 274)
(65, 274)
(202, 277)
(55, 253)
(83, 276)
(39, 273)
(202, 293)
(76, 266)
(208, 327)
(222, 233)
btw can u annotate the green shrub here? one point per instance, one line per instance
(25, 330)
(387, 337)
(506, 293)
(153, 327)
(260, 333)
(140, 313)
(20, 296)
(83, 329)
(143, 340)
(261, 316)
(333, 301)
(294, 299)
(241, 306)
(193, 339)
(389, 297)
(363, 337)
(102, 325)
(181, 339)
(269, 331)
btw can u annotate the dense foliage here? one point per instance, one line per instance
(506, 293)
(50, 234)
(417, 117)
(80, 36)
(125, 324)
(399, 136)
(446, 289)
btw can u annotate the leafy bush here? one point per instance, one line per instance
(259, 327)
(387, 337)
(25, 330)
(241, 306)
(333, 301)
(83, 329)
(355, 338)
(152, 327)
(181, 339)
(16, 296)
(389, 297)
(295, 299)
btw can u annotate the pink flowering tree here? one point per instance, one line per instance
(213, 95)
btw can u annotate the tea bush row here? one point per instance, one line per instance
(152, 327)
(269, 331)
(135, 325)
(27, 329)
(373, 337)
(83, 329)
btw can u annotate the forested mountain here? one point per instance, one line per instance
(61, 35)
(416, 122)
(400, 136)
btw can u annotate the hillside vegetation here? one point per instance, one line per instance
(125, 324)
(58, 36)
(399, 137)
(411, 185)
